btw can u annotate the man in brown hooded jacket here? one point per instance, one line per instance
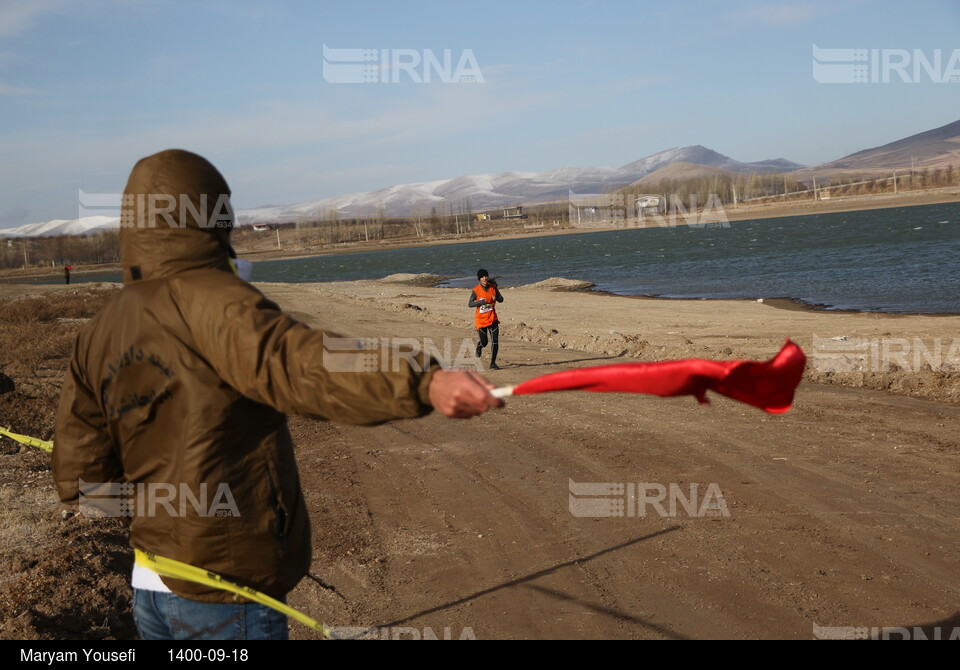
(179, 389)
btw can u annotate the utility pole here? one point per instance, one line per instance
(815, 195)
(278, 237)
(25, 262)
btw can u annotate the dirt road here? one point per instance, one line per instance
(842, 512)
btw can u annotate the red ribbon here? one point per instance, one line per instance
(768, 385)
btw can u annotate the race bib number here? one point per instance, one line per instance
(486, 308)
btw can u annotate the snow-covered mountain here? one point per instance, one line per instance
(489, 191)
(87, 224)
(479, 192)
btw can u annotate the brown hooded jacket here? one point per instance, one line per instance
(179, 388)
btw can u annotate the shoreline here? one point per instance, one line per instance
(856, 203)
(10, 288)
(786, 303)
(903, 355)
(895, 353)
(741, 213)
(851, 204)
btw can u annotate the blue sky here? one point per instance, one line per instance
(87, 87)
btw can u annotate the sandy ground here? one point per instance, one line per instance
(841, 513)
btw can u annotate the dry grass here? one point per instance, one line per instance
(37, 335)
(61, 576)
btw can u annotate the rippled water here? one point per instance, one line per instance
(892, 260)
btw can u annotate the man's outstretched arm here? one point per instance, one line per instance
(271, 358)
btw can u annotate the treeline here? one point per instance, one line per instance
(27, 252)
(915, 180)
(442, 220)
(727, 188)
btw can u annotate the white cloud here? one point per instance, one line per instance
(8, 89)
(302, 140)
(284, 150)
(17, 16)
(783, 14)
(432, 113)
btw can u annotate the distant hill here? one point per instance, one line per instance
(482, 192)
(57, 227)
(700, 155)
(478, 192)
(935, 148)
(683, 170)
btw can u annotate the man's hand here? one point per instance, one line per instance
(459, 394)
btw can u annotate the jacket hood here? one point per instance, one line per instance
(175, 216)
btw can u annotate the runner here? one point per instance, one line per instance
(484, 297)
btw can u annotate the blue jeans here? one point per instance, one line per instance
(165, 616)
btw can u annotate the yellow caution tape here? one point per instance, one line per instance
(46, 445)
(167, 567)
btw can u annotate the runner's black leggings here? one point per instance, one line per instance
(494, 339)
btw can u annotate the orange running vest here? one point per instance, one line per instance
(486, 313)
